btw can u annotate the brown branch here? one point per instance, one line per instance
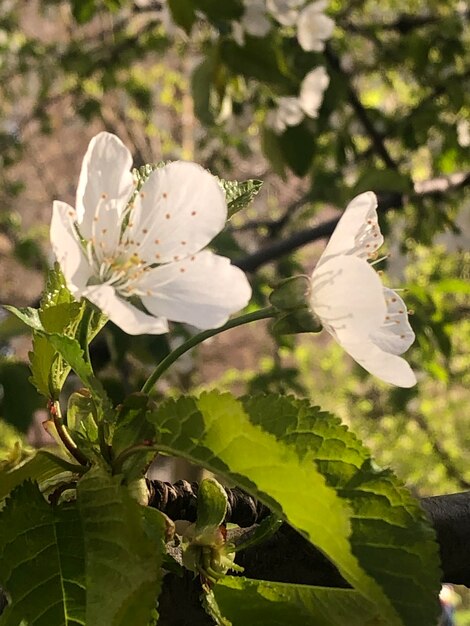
(378, 140)
(436, 189)
(440, 451)
(288, 557)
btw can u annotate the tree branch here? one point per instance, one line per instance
(441, 452)
(376, 138)
(288, 557)
(436, 188)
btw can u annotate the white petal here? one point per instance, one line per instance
(347, 294)
(312, 89)
(179, 211)
(390, 368)
(289, 110)
(275, 122)
(105, 175)
(255, 22)
(67, 248)
(314, 28)
(123, 313)
(238, 34)
(395, 335)
(284, 11)
(106, 228)
(203, 290)
(357, 232)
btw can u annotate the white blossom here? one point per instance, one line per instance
(313, 27)
(254, 21)
(311, 91)
(138, 256)
(368, 320)
(291, 110)
(285, 12)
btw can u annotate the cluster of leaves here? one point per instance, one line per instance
(81, 532)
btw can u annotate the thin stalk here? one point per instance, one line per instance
(64, 434)
(126, 454)
(261, 314)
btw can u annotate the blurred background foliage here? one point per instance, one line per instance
(173, 81)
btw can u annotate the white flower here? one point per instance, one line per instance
(290, 110)
(287, 113)
(148, 252)
(312, 89)
(254, 21)
(284, 11)
(313, 27)
(367, 319)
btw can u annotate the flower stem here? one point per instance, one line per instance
(126, 454)
(64, 434)
(261, 314)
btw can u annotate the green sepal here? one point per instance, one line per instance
(291, 293)
(300, 321)
(211, 505)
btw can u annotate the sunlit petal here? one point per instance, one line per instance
(289, 111)
(357, 232)
(105, 175)
(347, 294)
(390, 368)
(179, 211)
(204, 290)
(254, 20)
(123, 313)
(395, 335)
(313, 27)
(68, 249)
(312, 89)
(284, 11)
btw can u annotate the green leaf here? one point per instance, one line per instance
(72, 354)
(298, 147)
(40, 467)
(258, 603)
(391, 537)
(56, 291)
(215, 10)
(42, 564)
(383, 180)
(239, 195)
(84, 10)
(201, 86)
(58, 313)
(183, 13)
(27, 315)
(44, 375)
(123, 573)
(132, 429)
(271, 146)
(216, 432)
(260, 58)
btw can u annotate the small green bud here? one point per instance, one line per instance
(300, 321)
(291, 294)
